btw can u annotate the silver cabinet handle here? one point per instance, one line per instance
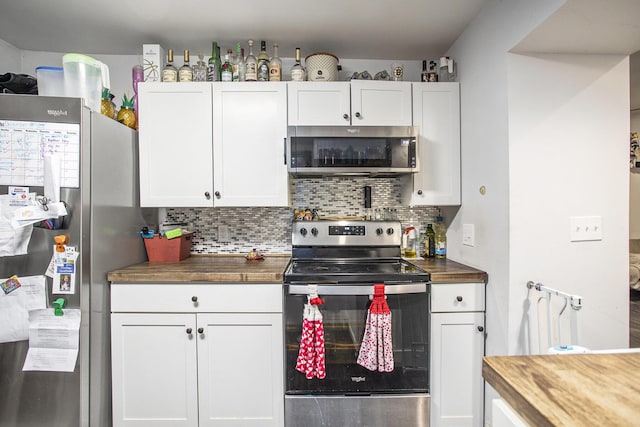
(189, 330)
(217, 193)
(201, 330)
(358, 115)
(459, 298)
(345, 116)
(207, 195)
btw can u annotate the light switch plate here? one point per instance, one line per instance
(468, 235)
(585, 228)
(223, 233)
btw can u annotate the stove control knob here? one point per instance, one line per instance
(314, 231)
(389, 230)
(379, 231)
(303, 231)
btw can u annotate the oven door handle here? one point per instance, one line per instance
(389, 289)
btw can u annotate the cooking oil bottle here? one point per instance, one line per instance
(440, 238)
(429, 246)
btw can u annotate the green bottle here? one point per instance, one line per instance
(215, 65)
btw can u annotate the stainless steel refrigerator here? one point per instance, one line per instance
(103, 223)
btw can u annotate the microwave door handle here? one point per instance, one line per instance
(346, 290)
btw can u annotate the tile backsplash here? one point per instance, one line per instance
(269, 229)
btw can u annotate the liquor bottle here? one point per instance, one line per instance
(235, 73)
(298, 73)
(213, 68)
(252, 65)
(200, 70)
(275, 66)
(440, 238)
(227, 70)
(169, 72)
(185, 73)
(263, 63)
(240, 67)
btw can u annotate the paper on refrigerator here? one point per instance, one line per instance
(53, 341)
(15, 307)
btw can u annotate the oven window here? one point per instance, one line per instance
(344, 319)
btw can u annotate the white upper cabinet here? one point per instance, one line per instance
(355, 103)
(174, 137)
(249, 144)
(436, 112)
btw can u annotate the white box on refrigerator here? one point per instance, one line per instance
(152, 59)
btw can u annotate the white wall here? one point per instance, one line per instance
(11, 62)
(568, 156)
(481, 52)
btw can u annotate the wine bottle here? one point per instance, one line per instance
(185, 73)
(263, 63)
(298, 73)
(213, 69)
(252, 65)
(169, 72)
(275, 66)
(227, 70)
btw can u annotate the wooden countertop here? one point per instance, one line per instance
(206, 268)
(235, 268)
(448, 271)
(569, 390)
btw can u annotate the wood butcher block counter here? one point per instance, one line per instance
(569, 390)
(235, 268)
(448, 271)
(206, 268)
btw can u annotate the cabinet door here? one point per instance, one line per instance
(240, 370)
(154, 370)
(457, 347)
(319, 103)
(175, 137)
(436, 111)
(375, 103)
(249, 144)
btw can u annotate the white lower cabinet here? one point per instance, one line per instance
(457, 347)
(198, 368)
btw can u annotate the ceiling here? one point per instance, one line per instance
(354, 29)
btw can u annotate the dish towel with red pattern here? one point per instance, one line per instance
(311, 356)
(376, 351)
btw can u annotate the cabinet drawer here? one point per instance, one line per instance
(457, 297)
(179, 298)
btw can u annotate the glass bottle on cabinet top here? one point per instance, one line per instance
(200, 70)
(213, 68)
(227, 68)
(298, 73)
(263, 63)
(275, 66)
(185, 73)
(252, 64)
(169, 72)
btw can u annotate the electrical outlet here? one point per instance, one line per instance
(223, 233)
(468, 235)
(585, 228)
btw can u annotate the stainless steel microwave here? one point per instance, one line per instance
(348, 150)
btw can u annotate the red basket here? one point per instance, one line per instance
(161, 249)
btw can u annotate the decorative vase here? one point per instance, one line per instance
(127, 115)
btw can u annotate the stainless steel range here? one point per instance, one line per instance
(342, 261)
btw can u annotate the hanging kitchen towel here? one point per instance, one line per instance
(376, 351)
(311, 355)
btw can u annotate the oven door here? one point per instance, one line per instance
(344, 316)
